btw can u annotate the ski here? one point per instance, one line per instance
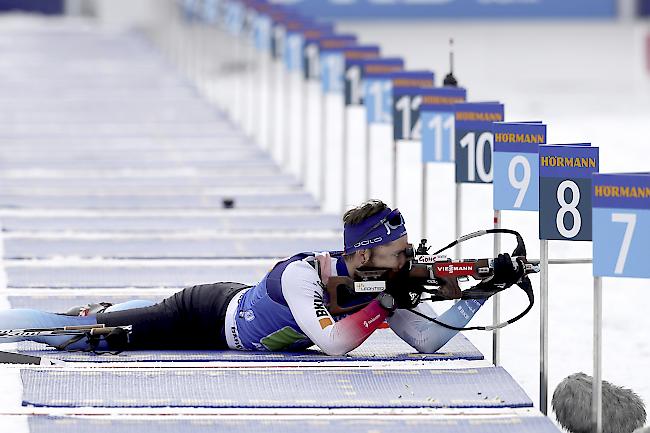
(94, 330)
(18, 358)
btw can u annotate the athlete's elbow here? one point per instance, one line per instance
(424, 346)
(335, 351)
(332, 349)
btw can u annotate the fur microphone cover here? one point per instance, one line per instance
(623, 409)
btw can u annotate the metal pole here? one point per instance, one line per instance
(597, 386)
(543, 328)
(305, 130)
(423, 233)
(394, 191)
(367, 156)
(323, 145)
(459, 199)
(344, 160)
(496, 306)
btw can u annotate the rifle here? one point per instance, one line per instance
(429, 273)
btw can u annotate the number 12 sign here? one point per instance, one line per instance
(516, 166)
(621, 224)
(565, 191)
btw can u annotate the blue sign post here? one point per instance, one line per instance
(474, 140)
(314, 44)
(565, 191)
(437, 116)
(621, 233)
(406, 102)
(295, 40)
(378, 97)
(406, 99)
(515, 185)
(333, 64)
(359, 69)
(516, 165)
(564, 214)
(621, 224)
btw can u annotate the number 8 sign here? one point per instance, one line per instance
(621, 218)
(565, 191)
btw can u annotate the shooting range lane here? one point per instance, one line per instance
(252, 221)
(383, 345)
(126, 199)
(280, 424)
(102, 273)
(490, 387)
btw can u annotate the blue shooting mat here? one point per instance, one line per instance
(490, 387)
(33, 247)
(382, 345)
(158, 274)
(262, 200)
(318, 424)
(227, 219)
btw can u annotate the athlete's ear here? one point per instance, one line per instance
(365, 256)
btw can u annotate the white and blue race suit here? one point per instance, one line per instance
(287, 311)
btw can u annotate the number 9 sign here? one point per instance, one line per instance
(565, 191)
(516, 172)
(621, 220)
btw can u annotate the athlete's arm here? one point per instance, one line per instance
(304, 296)
(426, 336)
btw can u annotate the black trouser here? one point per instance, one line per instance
(190, 319)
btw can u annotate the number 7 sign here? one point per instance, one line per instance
(621, 224)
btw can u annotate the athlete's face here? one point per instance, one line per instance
(391, 255)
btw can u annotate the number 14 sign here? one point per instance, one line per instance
(621, 224)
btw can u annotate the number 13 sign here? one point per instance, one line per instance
(621, 221)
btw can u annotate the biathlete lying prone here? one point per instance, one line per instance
(290, 309)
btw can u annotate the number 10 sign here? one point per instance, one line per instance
(621, 221)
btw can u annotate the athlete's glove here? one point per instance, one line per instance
(405, 293)
(505, 272)
(449, 288)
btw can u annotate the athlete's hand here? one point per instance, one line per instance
(400, 287)
(506, 272)
(449, 288)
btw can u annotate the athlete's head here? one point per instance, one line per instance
(374, 235)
